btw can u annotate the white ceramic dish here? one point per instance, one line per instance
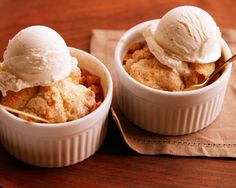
(57, 145)
(163, 112)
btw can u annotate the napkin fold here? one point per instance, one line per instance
(217, 140)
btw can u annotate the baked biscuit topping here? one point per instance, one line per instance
(145, 68)
(65, 100)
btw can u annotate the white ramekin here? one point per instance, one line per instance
(163, 112)
(63, 144)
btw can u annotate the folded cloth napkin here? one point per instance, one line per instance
(217, 140)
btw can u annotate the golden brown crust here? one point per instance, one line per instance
(145, 68)
(47, 104)
(60, 102)
(151, 73)
(19, 99)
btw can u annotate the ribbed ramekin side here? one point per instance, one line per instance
(57, 152)
(167, 120)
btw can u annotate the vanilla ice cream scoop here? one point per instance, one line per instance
(185, 34)
(37, 55)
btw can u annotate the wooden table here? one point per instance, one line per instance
(114, 165)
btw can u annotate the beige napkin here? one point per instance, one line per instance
(217, 140)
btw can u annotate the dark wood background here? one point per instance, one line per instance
(114, 165)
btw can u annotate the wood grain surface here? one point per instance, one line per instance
(114, 165)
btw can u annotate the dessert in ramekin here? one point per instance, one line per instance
(61, 143)
(168, 111)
